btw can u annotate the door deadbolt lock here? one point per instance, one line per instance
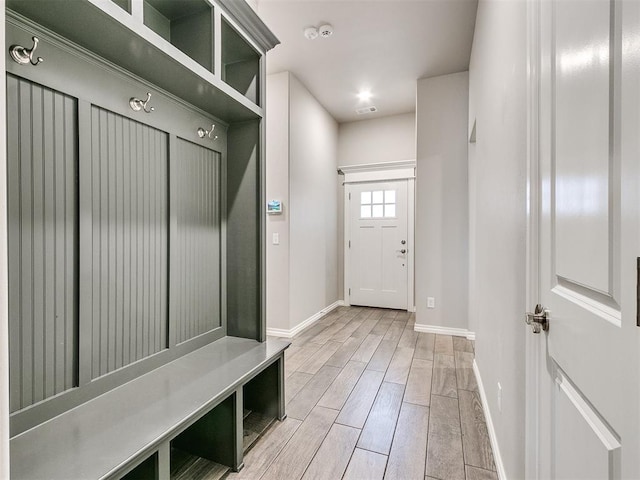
(403, 242)
(539, 319)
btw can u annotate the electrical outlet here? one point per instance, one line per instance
(431, 302)
(499, 397)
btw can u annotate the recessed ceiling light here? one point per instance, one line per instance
(364, 95)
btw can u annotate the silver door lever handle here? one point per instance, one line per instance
(539, 319)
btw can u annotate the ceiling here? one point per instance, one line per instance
(382, 46)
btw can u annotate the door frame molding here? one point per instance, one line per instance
(533, 372)
(381, 172)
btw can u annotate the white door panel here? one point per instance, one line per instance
(582, 142)
(587, 419)
(378, 226)
(574, 419)
(392, 277)
(368, 273)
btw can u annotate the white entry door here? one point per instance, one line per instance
(584, 406)
(378, 244)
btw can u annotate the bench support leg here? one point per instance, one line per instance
(164, 461)
(238, 460)
(282, 414)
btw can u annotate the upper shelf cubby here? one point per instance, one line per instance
(123, 4)
(188, 48)
(240, 63)
(187, 25)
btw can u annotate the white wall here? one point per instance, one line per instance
(497, 101)
(385, 139)
(313, 205)
(302, 139)
(442, 201)
(277, 180)
(377, 140)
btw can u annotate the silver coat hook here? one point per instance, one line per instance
(24, 55)
(207, 133)
(136, 104)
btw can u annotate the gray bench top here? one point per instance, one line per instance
(97, 438)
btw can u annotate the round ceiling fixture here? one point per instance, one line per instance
(311, 33)
(325, 30)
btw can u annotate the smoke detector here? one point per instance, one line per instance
(365, 110)
(311, 33)
(325, 30)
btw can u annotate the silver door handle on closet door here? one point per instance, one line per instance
(539, 319)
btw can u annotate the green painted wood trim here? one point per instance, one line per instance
(253, 25)
(172, 115)
(83, 26)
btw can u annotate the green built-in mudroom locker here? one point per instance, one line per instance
(135, 132)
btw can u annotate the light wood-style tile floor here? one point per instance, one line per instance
(368, 398)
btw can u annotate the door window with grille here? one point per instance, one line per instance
(378, 204)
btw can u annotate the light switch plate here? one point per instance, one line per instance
(431, 302)
(276, 239)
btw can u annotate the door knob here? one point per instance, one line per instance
(539, 319)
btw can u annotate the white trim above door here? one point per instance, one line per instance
(378, 173)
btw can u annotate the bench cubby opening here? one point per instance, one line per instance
(214, 436)
(262, 394)
(185, 466)
(255, 424)
(147, 470)
(263, 398)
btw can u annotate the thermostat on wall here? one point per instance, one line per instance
(274, 207)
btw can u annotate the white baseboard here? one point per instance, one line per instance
(279, 332)
(456, 332)
(492, 431)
